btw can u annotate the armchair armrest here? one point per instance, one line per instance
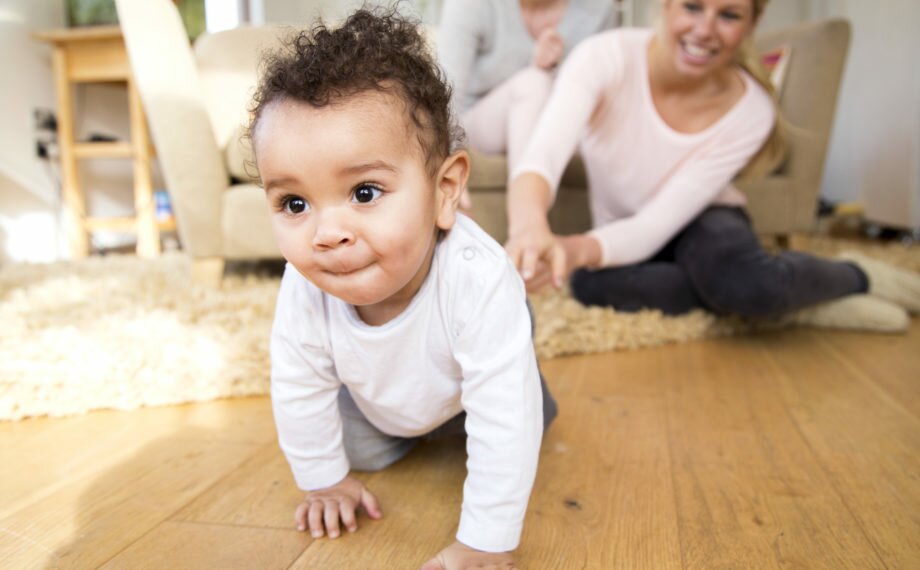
(167, 80)
(808, 102)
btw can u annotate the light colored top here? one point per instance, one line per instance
(482, 43)
(462, 344)
(646, 180)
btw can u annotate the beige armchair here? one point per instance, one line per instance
(781, 203)
(195, 102)
(785, 202)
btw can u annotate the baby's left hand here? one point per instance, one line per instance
(459, 556)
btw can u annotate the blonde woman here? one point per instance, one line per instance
(664, 120)
(499, 56)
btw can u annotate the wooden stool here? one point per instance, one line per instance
(88, 55)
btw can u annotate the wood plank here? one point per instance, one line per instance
(53, 452)
(604, 485)
(110, 224)
(866, 443)
(85, 499)
(103, 60)
(424, 486)
(750, 492)
(190, 545)
(794, 448)
(79, 34)
(420, 498)
(890, 361)
(569, 522)
(87, 522)
(117, 149)
(148, 232)
(261, 493)
(74, 201)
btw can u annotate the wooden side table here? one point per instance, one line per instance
(97, 54)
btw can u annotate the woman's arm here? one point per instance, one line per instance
(530, 238)
(576, 93)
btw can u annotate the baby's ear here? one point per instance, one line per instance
(449, 185)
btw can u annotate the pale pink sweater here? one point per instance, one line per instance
(646, 180)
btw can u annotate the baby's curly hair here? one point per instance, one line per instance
(374, 50)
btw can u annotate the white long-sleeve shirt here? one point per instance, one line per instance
(646, 181)
(462, 344)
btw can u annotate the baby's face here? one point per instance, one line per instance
(352, 204)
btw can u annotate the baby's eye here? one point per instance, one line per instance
(692, 6)
(294, 205)
(365, 193)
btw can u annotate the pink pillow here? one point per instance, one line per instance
(776, 62)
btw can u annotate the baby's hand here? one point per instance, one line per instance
(324, 508)
(547, 53)
(459, 556)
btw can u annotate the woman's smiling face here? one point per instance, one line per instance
(703, 36)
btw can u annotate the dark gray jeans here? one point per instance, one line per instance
(717, 263)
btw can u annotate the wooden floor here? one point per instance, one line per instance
(795, 449)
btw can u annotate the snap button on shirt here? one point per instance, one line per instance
(468, 253)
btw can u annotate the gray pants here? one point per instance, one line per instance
(369, 449)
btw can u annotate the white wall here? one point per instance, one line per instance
(875, 149)
(302, 12)
(29, 194)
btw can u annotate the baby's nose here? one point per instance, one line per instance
(332, 231)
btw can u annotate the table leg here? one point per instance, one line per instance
(74, 202)
(148, 234)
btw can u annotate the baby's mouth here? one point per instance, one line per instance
(343, 269)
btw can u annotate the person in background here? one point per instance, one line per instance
(664, 120)
(500, 55)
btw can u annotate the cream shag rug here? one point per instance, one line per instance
(120, 332)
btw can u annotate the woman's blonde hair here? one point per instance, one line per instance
(773, 151)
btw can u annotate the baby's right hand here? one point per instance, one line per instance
(322, 509)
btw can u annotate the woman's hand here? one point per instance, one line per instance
(538, 255)
(323, 509)
(549, 48)
(459, 556)
(580, 250)
(531, 244)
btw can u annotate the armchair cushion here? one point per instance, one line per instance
(246, 224)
